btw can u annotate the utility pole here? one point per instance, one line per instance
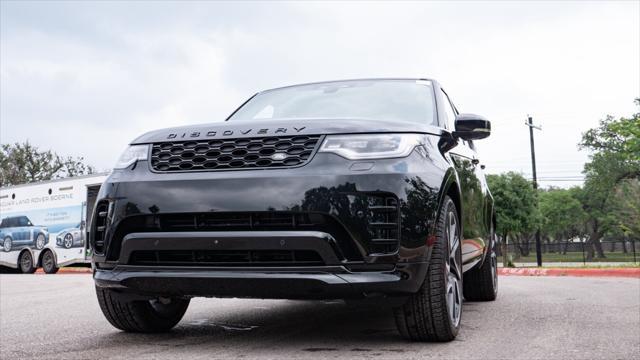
(535, 184)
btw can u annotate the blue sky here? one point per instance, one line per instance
(85, 78)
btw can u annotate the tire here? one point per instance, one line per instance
(25, 263)
(48, 262)
(40, 241)
(144, 316)
(434, 312)
(68, 241)
(481, 283)
(7, 244)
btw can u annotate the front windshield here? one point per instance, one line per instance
(401, 100)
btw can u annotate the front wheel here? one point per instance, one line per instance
(68, 241)
(145, 316)
(434, 312)
(49, 265)
(25, 261)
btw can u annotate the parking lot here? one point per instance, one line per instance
(57, 316)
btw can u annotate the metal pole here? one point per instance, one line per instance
(633, 246)
(535, 187)
(584, 260)
(505, 251)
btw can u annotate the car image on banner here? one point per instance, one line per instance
(18, 231)
(70, 237)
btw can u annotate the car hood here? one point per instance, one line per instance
(262, 128)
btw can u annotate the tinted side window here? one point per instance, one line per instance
(449, 112)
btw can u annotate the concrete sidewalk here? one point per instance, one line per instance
(572, 264)
(586, 272)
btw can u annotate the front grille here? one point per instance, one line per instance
(226, 258)
(206, 155)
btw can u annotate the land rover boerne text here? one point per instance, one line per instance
(358, 190)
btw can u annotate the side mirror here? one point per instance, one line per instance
(472, 127)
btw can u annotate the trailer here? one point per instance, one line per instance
(45, 224)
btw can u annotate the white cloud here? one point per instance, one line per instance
(84, 79)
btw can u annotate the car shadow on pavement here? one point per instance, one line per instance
(286, 326)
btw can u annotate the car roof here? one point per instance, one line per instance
(345, 80)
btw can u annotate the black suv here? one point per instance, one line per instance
(357, 189)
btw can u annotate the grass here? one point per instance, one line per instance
(577, 257)
(590, 266)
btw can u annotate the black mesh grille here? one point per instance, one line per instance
(267, 152)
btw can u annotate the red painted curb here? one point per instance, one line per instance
(68, 270)
(604, 272)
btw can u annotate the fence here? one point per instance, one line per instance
(612, 251)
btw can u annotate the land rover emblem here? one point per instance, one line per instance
(278, 156)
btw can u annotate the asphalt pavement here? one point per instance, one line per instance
(57, 316)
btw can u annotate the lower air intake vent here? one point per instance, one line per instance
(225, 258)
(384, 225)
(99, 226)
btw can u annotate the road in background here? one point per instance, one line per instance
(57, 316)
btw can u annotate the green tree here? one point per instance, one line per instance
(24, 163)
(620, 137)
(516, 208)
(562, 216)
(615, 158)
(626, 207)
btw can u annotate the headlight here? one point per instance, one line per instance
(132, 154)
(371, 146)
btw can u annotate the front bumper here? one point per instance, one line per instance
(329, 185)
(329, 282)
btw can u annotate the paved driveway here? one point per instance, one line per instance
(57, 316)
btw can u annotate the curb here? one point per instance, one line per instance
(619, 272)
(67, 270)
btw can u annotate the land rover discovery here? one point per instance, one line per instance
(357, 189)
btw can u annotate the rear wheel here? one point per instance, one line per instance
(433, 314)
(25, 262)
(49, 265)
(146, 316)
(481, 284)
(7, 244)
